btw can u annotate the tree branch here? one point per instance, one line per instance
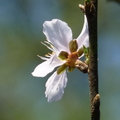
(91, 13)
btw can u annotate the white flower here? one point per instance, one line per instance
(65, 54)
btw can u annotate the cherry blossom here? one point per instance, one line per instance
(65, 52)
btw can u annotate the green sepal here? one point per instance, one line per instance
(86, 53)
(63, 55)
(70, 69)
(73, 46)
(61, 69)
(80, 52)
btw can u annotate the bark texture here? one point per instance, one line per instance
(91, 13)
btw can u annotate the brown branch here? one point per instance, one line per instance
(91, 13)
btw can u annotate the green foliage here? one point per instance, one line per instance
(86, 53)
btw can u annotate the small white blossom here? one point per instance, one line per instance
(59, 36)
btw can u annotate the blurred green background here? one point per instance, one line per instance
(21, 94)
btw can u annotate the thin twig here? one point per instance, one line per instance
(91, 13)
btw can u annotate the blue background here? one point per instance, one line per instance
(21, 94)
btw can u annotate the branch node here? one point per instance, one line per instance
(95, 111)
(82, 66)
(96, 100)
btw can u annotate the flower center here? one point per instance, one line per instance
(70, 58)
(70, 61)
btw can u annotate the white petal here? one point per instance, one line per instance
(55, 86)
(58, 33)
(46, 67)
(83, 38)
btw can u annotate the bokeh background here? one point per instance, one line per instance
(21, 94)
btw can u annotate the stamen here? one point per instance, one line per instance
(49, 43)
(48, 55)
(50, 48)
(43, 58)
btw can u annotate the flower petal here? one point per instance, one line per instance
(58, 33)
(46, 67)
(83, 38)
(55, 86)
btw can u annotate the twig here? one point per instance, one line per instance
(91, 13)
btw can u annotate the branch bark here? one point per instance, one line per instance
(91, 13)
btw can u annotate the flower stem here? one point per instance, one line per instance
(91, 13)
